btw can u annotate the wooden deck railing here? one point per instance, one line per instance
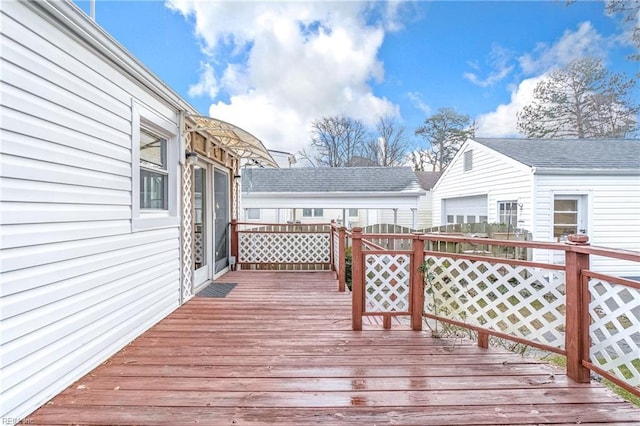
(281, 246)
(591, 318)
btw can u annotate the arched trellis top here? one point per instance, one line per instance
(242, 143)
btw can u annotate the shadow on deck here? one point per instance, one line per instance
(279, 349)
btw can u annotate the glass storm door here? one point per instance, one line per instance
(201, 225)
(221, 219)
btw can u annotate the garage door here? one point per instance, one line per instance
(466, 209)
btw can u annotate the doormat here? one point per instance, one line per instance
(216, 290)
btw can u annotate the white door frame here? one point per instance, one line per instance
(215, 168)
(203, 275)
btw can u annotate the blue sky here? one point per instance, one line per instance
(273, 67)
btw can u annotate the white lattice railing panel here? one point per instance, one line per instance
(387, 282)
(522, 301)
(302, 247)
(336, 251)
(615, 329)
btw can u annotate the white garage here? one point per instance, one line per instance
(465, 209)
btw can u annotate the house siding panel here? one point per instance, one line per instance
(488, 168)
(613, 203)
(77, 284)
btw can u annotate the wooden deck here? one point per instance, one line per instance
(279, 350)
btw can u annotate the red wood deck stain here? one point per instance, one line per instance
(279, 350)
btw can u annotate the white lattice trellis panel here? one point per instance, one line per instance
(336, 251)
(519, 300)
(615, 329)
(387, 283)
(187, 224)
(257, 247)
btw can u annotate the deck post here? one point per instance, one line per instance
(357, 279)
(483, 340)
(342, 264)
(234, 242)
(416, 293)
(332, 246)
(577, 314)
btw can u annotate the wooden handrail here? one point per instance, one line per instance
(577, 296)
(577, 274)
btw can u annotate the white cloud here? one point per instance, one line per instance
(284, 64)
(501, 123)
(418, 102)
(498, 59)
(585, 41)
(208, 85)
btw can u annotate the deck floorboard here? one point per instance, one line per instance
(278, 349)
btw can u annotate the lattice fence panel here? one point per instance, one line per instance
(615, 329)
(387, 281)
(336, 251)
(522, 301)
(258, 247)
(187, 224)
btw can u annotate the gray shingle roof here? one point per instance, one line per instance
(428, 179)
(330, 179)
(592, 154)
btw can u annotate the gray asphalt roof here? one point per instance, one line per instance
(330, 179)
(428, 179)
(603, 154)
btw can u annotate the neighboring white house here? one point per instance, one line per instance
(551, 188)
(355, 196)
(425, 205)
(97, 237)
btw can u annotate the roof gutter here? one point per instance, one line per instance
(72, 20)
(582, 172)
(334, 194)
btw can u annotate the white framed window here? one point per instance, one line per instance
(353, 212)
(569, 215)
(253, 214)
(468, 160)
(154, 169)
(312, 212)
(508, 213)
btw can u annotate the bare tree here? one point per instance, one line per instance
(388, 146)
(338, 141)
(630, 9)
(421, 161)
(582, 100)
(445, 132)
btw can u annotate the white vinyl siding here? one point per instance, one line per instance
(77, 284)
(494, 176)
(405, 215)
(611, 211)
(253, 214)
